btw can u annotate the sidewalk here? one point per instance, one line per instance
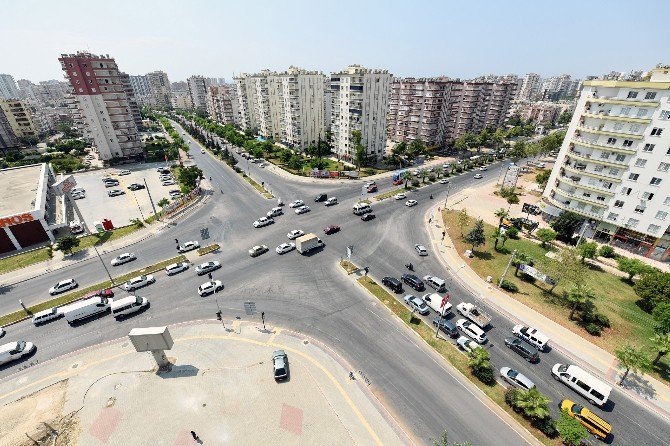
(221, 386)
(650, 392)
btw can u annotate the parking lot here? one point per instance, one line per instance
(97, 205)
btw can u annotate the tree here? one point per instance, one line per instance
(571, 430)
(518, 150)
(407, 176)
(632, 267)
(479, 363)
(542, 178)
(501, 214)
(588, 250)
(577, 295)
(566, 225)
(360, 149)
(565, 118)
(295, 162)
(632, 360)
(661, 343)
(661, 315)
(189, 176)
(533, 404)
(444, 441)
(416, 148)
(496, 237)
(567, 267)
(653, 288)
(476, 235)
(545, 235)
(463, 219)
(67, 244)
(163, 202)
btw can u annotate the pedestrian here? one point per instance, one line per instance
(195, 436)
(430, 220)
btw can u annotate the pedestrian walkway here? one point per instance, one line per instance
(220, 386)
(645, 389)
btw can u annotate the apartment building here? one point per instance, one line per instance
(132, 100)
(20, 118)
(8, 89)
(100, 95)
(197, 88)
(160, 89)
(530, 87)
(8, 139)
(181, 100)
(360, 102)
(220, 104)
(245, 88)
(613, 167)
(141, 89)
(541, 112)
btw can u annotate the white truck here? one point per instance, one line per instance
(434, 301)
(473, 313)
(307, 242)
(86, 308)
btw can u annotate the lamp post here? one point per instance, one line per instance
(103, 265)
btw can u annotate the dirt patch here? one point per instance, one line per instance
(37, 418)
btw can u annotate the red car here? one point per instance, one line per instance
(332, 229)
(372, 188)
(100, 293)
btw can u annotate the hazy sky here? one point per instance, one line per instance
(409, 37)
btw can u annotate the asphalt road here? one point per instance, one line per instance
(312, 295)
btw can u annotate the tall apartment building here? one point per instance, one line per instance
(100, 95)
(8, 89)
(530, 87)
(613, 167)
(8, 139)
(132, 101)
(20, 118)
(160, 89)
(220, 104)
(541, 112)
(360, 102)
(140, 84)
(181, 100)
(245, 87)
(197, 87)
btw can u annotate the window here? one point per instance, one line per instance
(633, 176)
(661, 215)
(600, 198)
(598, 168)
(655, 181)
(620, 158)
(627, 143)
(640, 162)
(648, 147)
(639, 209)
(614, 172)
(665, 114)
(618, 126)
(581, 206)
(650, 95)
(625, 111)
(642, 112)
(647, 195)
(604, 155)
(666, 201)
(632, 222)
(663, 167)
(618, 204)
(612, 216)
(656, 131)
(653, 228)
(635, 128)
(632, 94)
(611, 141)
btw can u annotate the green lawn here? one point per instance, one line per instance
(24, 259)
(257, 186)
(385, 195)
(101, 238)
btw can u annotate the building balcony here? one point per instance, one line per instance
(583, 199)
(586, 143)
(589, 159)
(597, 131)
(610, 117)
(567, 180)
(623, 101)
(591, 174)
(582, 212)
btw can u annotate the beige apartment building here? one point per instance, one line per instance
(160, 89)
(20, 118)
(220, 101)
(198, 87)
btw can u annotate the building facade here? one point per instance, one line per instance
(530, 87)
(8, 139)
(100, 94)
(613, 167)
(20, 117)
(197, 88)
(140, 85)
(160, 89)
(181, 100)
(541, 112)
(8, 88)
(220, 104)
(245, 87)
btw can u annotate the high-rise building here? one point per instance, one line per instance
(246, 88)
(613, 167)
(197, 88)
(132, 101)
(530, 87)
(101, 96)
(181, 100)
(20, 117)
(141, 89)
(27, 90)
(360, 103)
(8, 139)
(8, 89)
(220, 104)
(160, 89)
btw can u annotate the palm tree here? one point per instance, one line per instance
(501, 214)
(496, 237)
(633, 360)
(533, 404)
(578, 295)
(406, 176)
(478, 358)
(662, 343)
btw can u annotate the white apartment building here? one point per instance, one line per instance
(197, 87)
(160, 89)
(220, 104)
(245, 87)
(8, 88)
(141, 89)
(181, 100)
(360, 102)
(614, 165)
(530, 87)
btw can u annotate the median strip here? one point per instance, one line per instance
(208, 249)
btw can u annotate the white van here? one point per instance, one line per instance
(435, 282)
(86, 308)
(15, 350)
(434, 301)
(128, 305)
(46, 316)
(594, 390)
(362, 208)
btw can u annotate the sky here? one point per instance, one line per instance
(417, 38)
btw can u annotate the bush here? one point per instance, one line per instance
(431, 177)
(509, 286)
(485, 374)
(593, 329)
(513, 199)
(415, 183)
(510, 396)
(601, 320)
(547, 426)
(607, 252)
(512, 232)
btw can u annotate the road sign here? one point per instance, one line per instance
(250, 308)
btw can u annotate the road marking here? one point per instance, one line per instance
(274, 336)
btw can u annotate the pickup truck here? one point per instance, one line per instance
(473, 313)
(307, 243)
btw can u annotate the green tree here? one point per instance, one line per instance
(476, 236)
(567, 267)
(545, 235)
(653, 288)
(67, 244)
(565, 118)
(578, 295)
(463, 219)
(632, 267)
(571, 430)
(661, 343)
(479, 363)
(542, 178)
(416, 148)
(407, 176)
(631, 359)
(501, 214)
(285, 155)
(588, 250)
(533, 404)
(189, 176)
(661, 315)
(360, 149)
(566, 225)
(497, 233)
(163, 202)
(444, 441)
(518, 150)
(295, 162)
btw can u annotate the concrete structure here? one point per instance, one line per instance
(160, 89)
(530, 87)
(100, 93)
(181, 100)
(8, 139)
(132, 101)
(141, 89)
(220, 104)
(8, 89)
(541, 112)
(360, 103)
(197, 88)
(613, 166)
(559, 87)
(20, 118)
(245, 88)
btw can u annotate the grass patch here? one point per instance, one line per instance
(24, 259)
(80, 292)
(348, 266)
(101, 238)
(392, 193)
(208, 249)
(257, 186)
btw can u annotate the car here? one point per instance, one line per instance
(444, 324)
(275, 212)
(211, 287)
(368, 217)
(168, 183)
(285, 247)
(372, 188)
(523, 348)
(280, 365)
(111, 183)
(139, 282)
(296, 204)
(174, 194)
(478, 176)
(136, 186)
(472, 330)
(165, 177)
(444, 181)
(295, 234)
(421, 250)
(105, 292)
(332, 229)
(76, 227)
(392, 283)
(78, 195)
(78, 190)
(123, 172)
(263, 164)
(516, 379)
(188, 246)
(176, 268)
(399, 196)
(331, 201)
(410, 203)
(202, 150)
(258, 250)
(44, 316)
(593, 423)
(63, 286)
(320, 197)
(115, 193)
(483, 168)
(467, 344)
(302, 210)
(263, 221)
(416, 304)
(2, 332)
(413, 281)
(207, 267)
(123, 258)
(416, 172)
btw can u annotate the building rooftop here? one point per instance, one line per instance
(18, 189)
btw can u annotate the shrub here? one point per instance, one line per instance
(601, 320)
(593, 329)
(607, 252)
(511, 395)
(485, 374)
(415, 183)
(547, 426)
(509, 286)
(431, 177)
(513, 199)
(512, 232)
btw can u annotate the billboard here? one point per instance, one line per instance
(532, 272)
(65, 185)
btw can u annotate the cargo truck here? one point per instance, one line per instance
(307, 242)
(86, 308)
(473, 313)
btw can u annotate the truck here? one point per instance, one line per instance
(86, 308)
(307, 242)
(473, 313)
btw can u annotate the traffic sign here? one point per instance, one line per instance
(250, 308)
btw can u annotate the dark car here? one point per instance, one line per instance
(100, 293)
(413, 281)
(446, 326)
(368, 217)
(136, 186)
(393, 283)
(332, 229)
(372, 188)
(321, 197)
(524, 349)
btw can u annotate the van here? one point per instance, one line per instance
(15, 350)
(523, 348)
(436, 282)
(593, 423)
(46, 316)
(128, 305)
(532, 336)
(362, 208)
(86, 308)
(434, 301)
(594, 390)
(446, 326)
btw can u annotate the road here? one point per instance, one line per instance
(312, 295)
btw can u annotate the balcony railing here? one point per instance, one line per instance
(579, 198)
(592, 145)
(570, 181)
(589, 159)
(565, 207)
(591, 174)
(599, 131)
(612, 117)
(623, 101)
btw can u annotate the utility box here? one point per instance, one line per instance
(151, 339)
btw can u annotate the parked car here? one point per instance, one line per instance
(302, 210)
(471, 329)
(295, 234)
(123, 258)
(168, 183)
(399, 196)
(123, 172)
(188, 246)
(393, 283)
(296, 204)
(211, 287)
(207, 267)
(258, 250)
(176, 268)
(467, 344)
(332, 229)
(263, 221)
(136, 186)
(111, 183)
(415, 303)
(410, 203)
(63, 286)
(413, 281)
(421, 250)
(115, 193)
(523, 348)
(321, 197)
(331, 201)
(174, 194)
(274, 212)
(516, 379)
(280, 365)
(139, 282)
(446, 326)
(285, 247)
(368, 217)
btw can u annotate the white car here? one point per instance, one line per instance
(78, 195)
(444, 181)
(63, 286)
(202, 150)
(302, 210)
(138, 282)
(285, 247)
(275, 212)
(115, 193)
(421, 250)
(76, 227)
(189, 246)
(207, 267)
(331, 201)
(211, 287)
(123, 258)
(263, 221)
(410, 203)
(516, 379)
(471, 329)
(417, 304)
(483, 168)
(176, 268)
(258, 250)
(478, 176)
(467, 344)
(2, 332)
(295, 234)
(296, 204)
(123, 172)
(399, 196)
(168, 183)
